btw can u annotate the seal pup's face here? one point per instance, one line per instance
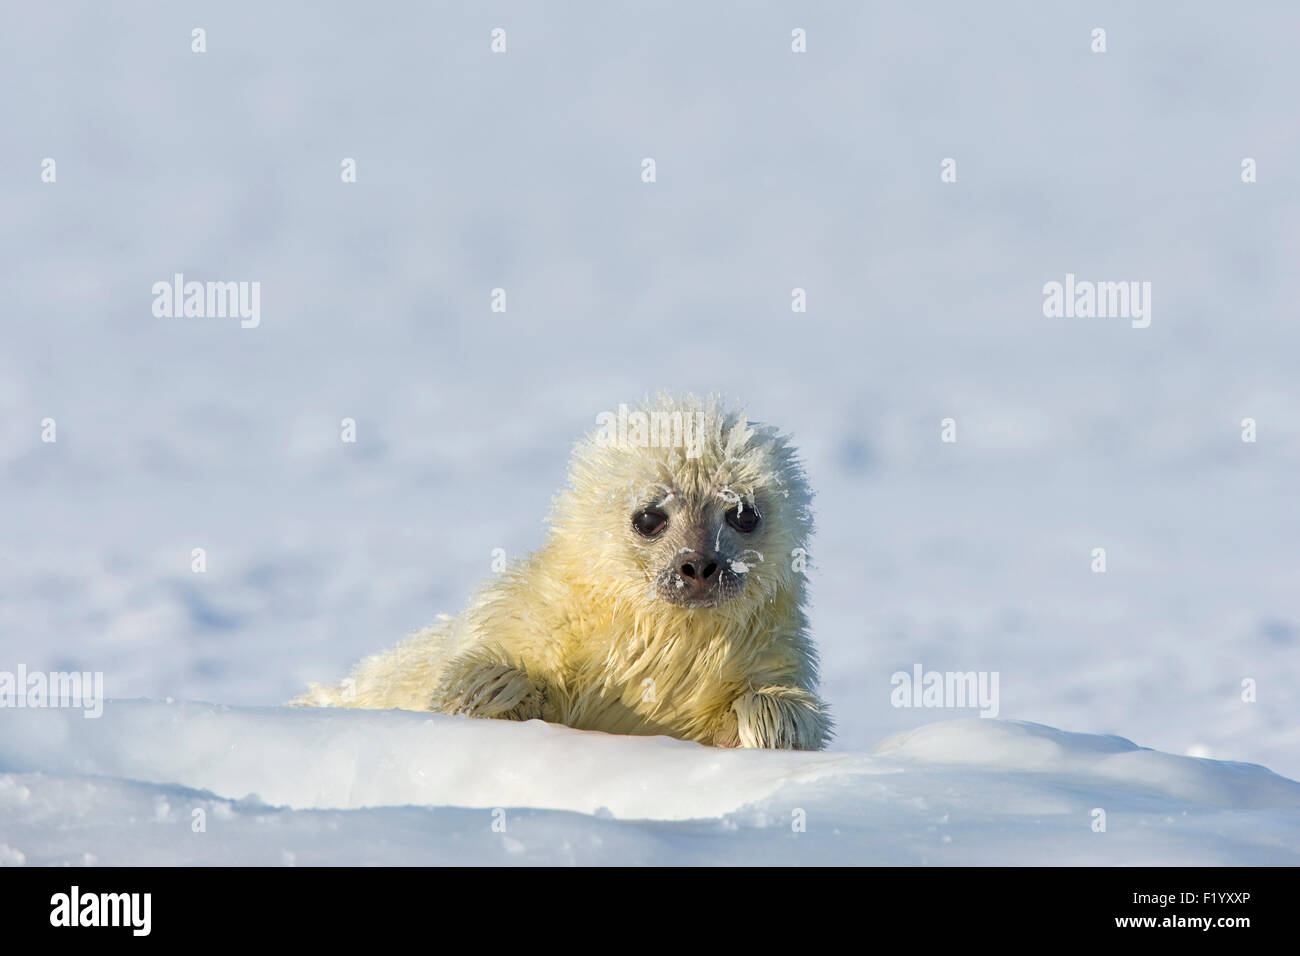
(698, 550)
(716, 523)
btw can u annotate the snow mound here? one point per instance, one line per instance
(285, 785)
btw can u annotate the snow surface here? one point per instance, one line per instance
(775, 171)
(285, 785)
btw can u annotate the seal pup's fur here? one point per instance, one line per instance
(668, 598)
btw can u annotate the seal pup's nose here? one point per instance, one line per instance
(698, 570)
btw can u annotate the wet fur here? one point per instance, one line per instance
(580, 634)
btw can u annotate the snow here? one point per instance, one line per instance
(286, 785)
(775, 171)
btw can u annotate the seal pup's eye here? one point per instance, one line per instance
(649, 523)
(743, 520)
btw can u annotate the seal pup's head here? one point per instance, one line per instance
(683, 503)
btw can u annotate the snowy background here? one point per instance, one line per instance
(775, 170)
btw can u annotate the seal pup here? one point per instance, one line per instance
(668, 597)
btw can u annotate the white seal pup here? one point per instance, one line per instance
(668, 597)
